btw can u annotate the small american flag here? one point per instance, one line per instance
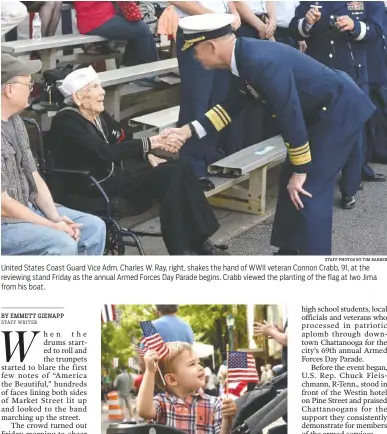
(108, 313)
(236, 390)
(152, 340)
(242, 368)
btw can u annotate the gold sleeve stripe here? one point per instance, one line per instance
(216, 120)
(297, 150)
(300, 160)
(224, 112)
(226, 122)
(295, 154)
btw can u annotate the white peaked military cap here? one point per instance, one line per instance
(76, 80)
(199, 28)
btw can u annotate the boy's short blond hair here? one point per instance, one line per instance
(168, 365)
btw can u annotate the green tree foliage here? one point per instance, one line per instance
(209, 324)
(117, 340)
(207, 321)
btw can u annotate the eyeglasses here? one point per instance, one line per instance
(31, 84)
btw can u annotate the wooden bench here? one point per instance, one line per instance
(246, 189)
(154, 123)
(50, 46)
(243, 185)
(115, 81)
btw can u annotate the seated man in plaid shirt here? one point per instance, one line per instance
(183, 405)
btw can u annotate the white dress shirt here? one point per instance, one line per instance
(234, 68)
(258, 8)
(215, 6)
(285, 12)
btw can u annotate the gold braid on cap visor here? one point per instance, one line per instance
(188, 44)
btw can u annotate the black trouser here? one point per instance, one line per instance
(187, 219)
(140, 46)
(376, 128)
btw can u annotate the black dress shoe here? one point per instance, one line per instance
(348, 202)
(208, 248)
(376, 177)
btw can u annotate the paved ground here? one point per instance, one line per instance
(362, 231)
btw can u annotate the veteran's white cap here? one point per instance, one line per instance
(205, 23)
(76, 80)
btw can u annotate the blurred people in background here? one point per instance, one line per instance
(272, 331)
(103, 394)
(285, 12)
(263, 378)
(49, 12)
(100, 18)
(137, 383)
(269, 372)
(124, 384)
(259, 19)
(169, 22)
(170, 327)
(210, 388)
(12, 13)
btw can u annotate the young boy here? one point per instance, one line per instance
(184, 405)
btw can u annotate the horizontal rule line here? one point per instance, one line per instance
(33, 307)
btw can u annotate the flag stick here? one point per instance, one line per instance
(162, 378)
(227, 354)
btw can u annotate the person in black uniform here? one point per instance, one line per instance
(377, 79)
(85, 137)
(321, 115)
(338, 35)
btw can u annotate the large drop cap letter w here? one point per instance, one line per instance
(20, 344)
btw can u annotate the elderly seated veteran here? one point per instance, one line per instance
(85, 137)
(31, 223)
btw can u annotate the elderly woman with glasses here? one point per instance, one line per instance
(85, 137)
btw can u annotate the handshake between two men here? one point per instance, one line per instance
(170, 140)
